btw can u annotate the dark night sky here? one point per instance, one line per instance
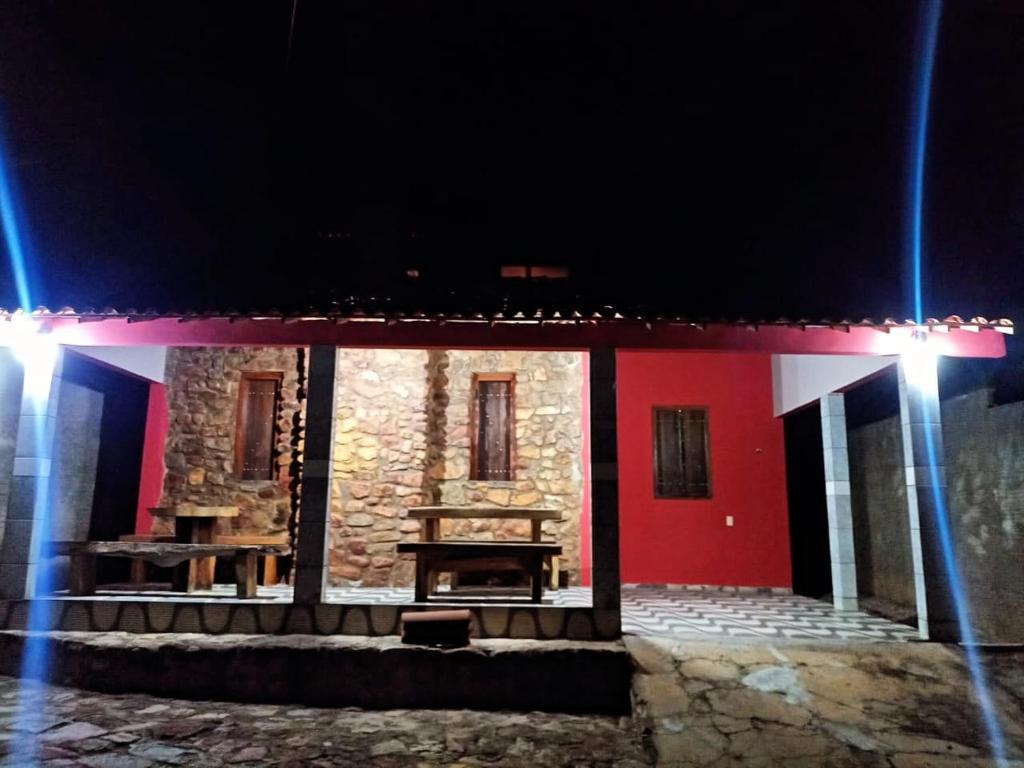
(720, 157)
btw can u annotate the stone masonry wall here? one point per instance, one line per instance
(402, 440)
(202, 394)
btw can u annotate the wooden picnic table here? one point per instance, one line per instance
(434, 555)
(194, 525)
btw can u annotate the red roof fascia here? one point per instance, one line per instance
(794, 338)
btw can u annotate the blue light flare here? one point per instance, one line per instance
(931, 13)
(37, 356)
(963, 617)
(12, 234)
(925, 64)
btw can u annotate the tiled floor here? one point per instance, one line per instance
(677, 612)
(660, 611)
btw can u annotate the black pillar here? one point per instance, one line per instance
(604, 459)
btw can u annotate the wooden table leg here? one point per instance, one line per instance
(245, 573)
(555, 580)
(182, 581)
(138, 571)
(83, 574)
(535, 531)
(197, 573)
(202, 533)
(422, 574)
(270, 569)
(429, 531)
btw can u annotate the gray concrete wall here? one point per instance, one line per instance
(985, 482)
(75, 455)
(73, 474)
(880, 522)
(10, 405)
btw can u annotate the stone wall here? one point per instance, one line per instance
(202, 395)
(402, 439)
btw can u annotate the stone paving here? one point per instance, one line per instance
(759, 704)
(65, 727)
(754, 703)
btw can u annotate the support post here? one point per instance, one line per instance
(607, 588)
(28, 503)
(315, 504)
(837, 499)
(925, 472)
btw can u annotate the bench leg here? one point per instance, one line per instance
(422, 576)
(83, 574)
(245, 573)
(536, 578)
(270, 570)
(554, 572)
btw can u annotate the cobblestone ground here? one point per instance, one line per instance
(906, 705)
(67, 727)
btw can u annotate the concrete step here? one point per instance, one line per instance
(337, 671)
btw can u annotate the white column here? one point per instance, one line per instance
(924, 460)
(837, 499)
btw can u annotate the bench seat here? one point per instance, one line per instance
(434, 557)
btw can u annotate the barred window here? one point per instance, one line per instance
(681, 462)
(492, 426)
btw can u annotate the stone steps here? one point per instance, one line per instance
(338, 671)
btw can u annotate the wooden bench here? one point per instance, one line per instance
(83, 556)
(434, 557)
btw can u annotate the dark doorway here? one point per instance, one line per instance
(808, 514)
(119, 462)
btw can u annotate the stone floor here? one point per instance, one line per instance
(760, 703)
(55, 726)
(751, 703)
(654, 611)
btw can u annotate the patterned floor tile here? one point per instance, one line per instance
(650, 611)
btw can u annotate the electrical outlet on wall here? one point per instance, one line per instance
(728, 521)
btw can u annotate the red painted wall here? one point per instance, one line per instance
(151, 481)
(686, 541)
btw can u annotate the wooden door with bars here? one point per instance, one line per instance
(492, 427)
(259, 396)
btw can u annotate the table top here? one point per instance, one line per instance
(189, 510)
(499, 513)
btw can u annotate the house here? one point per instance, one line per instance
(677, 452)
